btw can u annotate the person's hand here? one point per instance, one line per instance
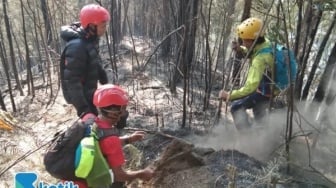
(224, 95)
(147, 174)
(136, 136)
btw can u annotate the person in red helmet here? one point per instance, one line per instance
(111, 102)
(81, 66)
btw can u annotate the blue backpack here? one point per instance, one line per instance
(282, 65)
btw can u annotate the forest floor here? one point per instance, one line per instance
(201, 155)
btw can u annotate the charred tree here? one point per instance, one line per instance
(298, 28)
(237, 63)
(2, 103)
(186, 41)
(30, 80)
(208, 57)
(47, 21)
(6, 70)
(165, 49)
(311, 22)
(247, 10)
(224, 41)
(322, 88)
(188, 12)
(11, 48)
(317, 60)
(124, 23)
(35, 39)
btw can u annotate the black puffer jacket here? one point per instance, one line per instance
(81, 68)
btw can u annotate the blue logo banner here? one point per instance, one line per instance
(30, 180)
(25, 180)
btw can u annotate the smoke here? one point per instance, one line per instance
(262, 139)
(259, 141)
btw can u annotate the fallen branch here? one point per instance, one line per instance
(152, 87)
(157, 133)
(161, 42)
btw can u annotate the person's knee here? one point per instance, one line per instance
(235, 107)
(260, 111)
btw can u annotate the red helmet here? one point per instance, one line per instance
(109, 94)
(93, 14)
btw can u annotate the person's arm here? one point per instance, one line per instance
(136, 136)
(74, 75)
(112, 149)
(102, 75)
(254, 77)
(121, 175)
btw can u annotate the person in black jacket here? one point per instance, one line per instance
(81, 66)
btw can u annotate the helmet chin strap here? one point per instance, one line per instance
(112, 116)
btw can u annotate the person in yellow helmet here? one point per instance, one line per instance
(256, 92)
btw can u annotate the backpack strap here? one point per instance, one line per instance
(270, 50)
(102, 133)
(265, 50)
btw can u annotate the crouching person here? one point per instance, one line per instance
(111, 102)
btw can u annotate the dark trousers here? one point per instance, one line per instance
(256, 101)
(83, 109)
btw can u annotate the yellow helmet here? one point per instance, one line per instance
(250, 28)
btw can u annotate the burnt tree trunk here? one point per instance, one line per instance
(124, 23)
(227, 64)
(47, 21)
(237, 63)
(298, 28)
(208, 58)
(166, 29)
(188, 10)
(326, 77)
(36, 40)
(11, 48)
(2, 103)
(6, 70)
(310, 25)
(30, 80)
(247, 10)
(318, 59)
